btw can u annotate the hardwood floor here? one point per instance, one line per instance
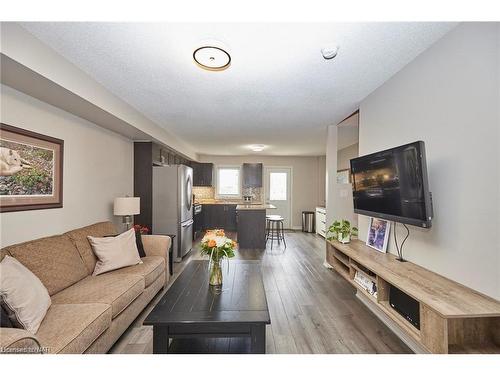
(313, 310)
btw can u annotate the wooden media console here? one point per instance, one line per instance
(453, 317)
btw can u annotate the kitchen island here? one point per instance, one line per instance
(251, 224)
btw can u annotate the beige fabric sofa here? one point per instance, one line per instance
(88, 313)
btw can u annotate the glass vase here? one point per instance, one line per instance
(215, 272)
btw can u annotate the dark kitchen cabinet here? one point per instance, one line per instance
(213, 216)
(147, 154)
(219, 216)
(199, 222)
(218, 219)
(143, 182)
(202, 174)
(252, 175)
(230, 217)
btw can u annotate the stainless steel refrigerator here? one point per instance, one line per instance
(173, 206)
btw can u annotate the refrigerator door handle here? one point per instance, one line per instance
(188, 223)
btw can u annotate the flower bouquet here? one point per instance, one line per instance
(217, 246)
(142, 229)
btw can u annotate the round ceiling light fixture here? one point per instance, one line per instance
(212, 58)
(257, 148)
(329, 52)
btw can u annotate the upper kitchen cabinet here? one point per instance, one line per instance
(252, 175)
(163, 156)
(202, 174)
(146, 155)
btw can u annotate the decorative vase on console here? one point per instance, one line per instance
(217, 246)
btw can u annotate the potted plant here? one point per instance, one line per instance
(342, 231)
(217, 246)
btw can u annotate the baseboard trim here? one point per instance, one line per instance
(415, 346)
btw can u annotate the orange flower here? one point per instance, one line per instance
(212, 243)
(217, 232)
(235, 243)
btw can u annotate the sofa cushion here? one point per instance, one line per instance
(22, 295)
(18, 341)
(72, 328)
(117, 290)
(114, 252)
(54, 260)
(3, 253)
(150, 269)
(79, 239)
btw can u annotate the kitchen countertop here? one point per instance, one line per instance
(222, 201)
(255, 207)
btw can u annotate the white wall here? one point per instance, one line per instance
(322, 181)
(98, 166)
(339, 204)
(305, 177)
(449, 97)
(345, 155)
(332, 191)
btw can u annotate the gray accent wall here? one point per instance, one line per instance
(449, 97)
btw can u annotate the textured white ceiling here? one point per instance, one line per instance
(278, 91)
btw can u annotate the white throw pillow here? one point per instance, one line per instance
(115, 252)
(23, 295)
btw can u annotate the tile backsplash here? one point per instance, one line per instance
(254, 192)
(202, 192)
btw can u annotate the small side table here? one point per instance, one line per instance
(171, 254)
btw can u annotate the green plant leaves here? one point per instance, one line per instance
(342, 228)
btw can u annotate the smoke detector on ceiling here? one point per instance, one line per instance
(329, 52)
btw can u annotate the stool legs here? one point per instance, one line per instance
(273, 236)
(282, 234)
(275, 231)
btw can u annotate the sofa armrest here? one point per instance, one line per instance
(16, 340)
(157, 245)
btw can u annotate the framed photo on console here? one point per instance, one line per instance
(31, 170)
(378, 234)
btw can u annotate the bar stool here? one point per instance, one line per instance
(275, 229)
(267, 226)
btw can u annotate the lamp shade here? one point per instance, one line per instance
(125, 206)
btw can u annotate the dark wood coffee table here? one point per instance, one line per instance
(191, 308)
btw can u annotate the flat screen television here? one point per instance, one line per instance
(393, 185)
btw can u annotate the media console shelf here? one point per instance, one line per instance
(453, 317)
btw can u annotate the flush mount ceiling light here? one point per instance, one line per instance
(257, 148)
(212, 58)
(329, 52)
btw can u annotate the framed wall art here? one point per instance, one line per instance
(344, 176)
(378, 234)
(31, 170)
